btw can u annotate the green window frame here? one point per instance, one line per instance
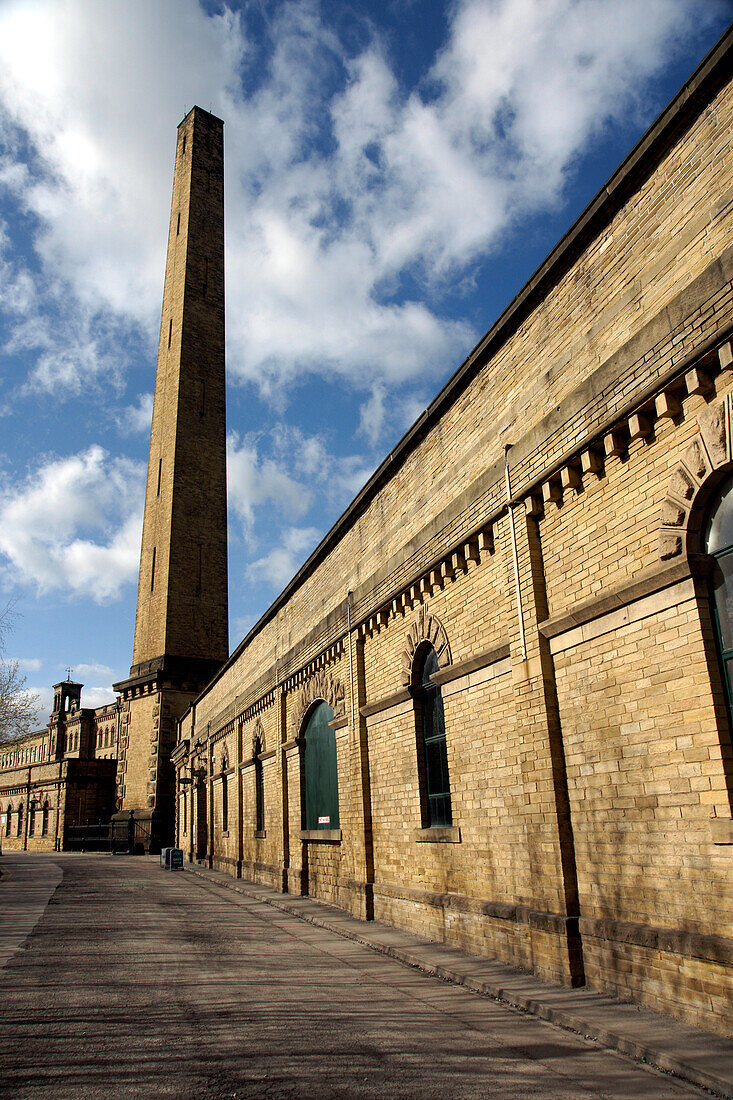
(435, 791)
(259, 795)
(320, 771)
(718, 541)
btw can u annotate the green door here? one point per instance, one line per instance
(321, 776)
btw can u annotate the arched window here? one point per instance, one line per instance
(19, 827)
(719, 542)
(44, 819)
(224, 802)
(432, 754)
(259, 789)
(31, 818)
(8, 818)
(320, 774)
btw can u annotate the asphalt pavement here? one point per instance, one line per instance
(120, 979)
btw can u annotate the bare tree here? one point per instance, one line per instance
(18, 706)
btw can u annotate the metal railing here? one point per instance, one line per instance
(126, 837)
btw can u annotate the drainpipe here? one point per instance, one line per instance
(351, 659)
(27, 810)
(515, 556)
(57, 813)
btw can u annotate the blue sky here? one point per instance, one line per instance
(394, 174)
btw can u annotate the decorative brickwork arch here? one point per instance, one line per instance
(707, 453)
(425, 628)
(321, 685)
(258, 738)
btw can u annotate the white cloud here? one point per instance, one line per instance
(42, 698)
(253, 481)
(373, 414)
(27, 664)
(277, 567)
(86, 672)
(320, 234)
(38, 700)
(74, 525)
(137, 417)
(97, 696)
(291, 470)
(80, 79)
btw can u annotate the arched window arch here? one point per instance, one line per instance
(718, 541)
(432, 755)
(320, 771)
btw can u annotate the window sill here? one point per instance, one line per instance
(260, 834)
(321, 834)
(445, 834)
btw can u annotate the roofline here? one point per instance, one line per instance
(683, 109)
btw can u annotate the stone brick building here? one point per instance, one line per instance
(59, 778)
(493, 706)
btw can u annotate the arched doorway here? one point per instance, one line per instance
(202, 821)
(320, 805)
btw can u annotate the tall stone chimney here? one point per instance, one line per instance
(181, 625)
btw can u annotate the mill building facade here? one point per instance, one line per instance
(493, 707)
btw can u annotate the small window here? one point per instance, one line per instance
(432, 752)
(320, 772)
(160, 474)
(224, 802)
(259, 789)
(178, 224)
(170, 331)
(152, 572)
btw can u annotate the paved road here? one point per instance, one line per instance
(128, 981)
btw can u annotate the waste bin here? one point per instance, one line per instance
(165, 857)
